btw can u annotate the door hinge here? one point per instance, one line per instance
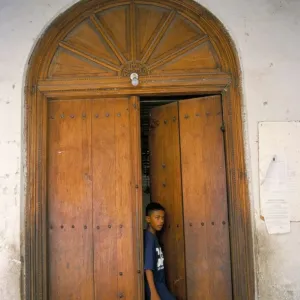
(223, 128)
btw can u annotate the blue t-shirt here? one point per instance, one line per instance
(154, 260)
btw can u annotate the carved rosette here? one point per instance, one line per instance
(134, 67)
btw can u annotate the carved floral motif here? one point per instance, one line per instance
(134, 67)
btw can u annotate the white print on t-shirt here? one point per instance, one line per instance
(160, 261)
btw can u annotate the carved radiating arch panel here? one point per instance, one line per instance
(148, 39)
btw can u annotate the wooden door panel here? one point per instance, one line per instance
(105, 262)
(70, 201)
(166, 189)
(104, 163)
(205, 199)
(125, 203)
(113, 205)
(197, 266)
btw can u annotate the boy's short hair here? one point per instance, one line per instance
(153, 206)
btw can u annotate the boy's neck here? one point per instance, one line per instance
(153, 231)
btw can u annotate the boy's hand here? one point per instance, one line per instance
(155, 297)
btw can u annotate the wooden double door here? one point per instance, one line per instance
(94, 199)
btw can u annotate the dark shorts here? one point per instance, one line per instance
(163, 292)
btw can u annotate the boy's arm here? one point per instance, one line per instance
(150, 279)
(149, 266)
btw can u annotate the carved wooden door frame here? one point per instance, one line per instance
(226, 82)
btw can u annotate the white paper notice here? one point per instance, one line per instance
(277, 216)
(279, 165)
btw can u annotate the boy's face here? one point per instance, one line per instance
(156, 219)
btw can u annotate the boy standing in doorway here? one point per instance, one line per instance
(156, 288)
